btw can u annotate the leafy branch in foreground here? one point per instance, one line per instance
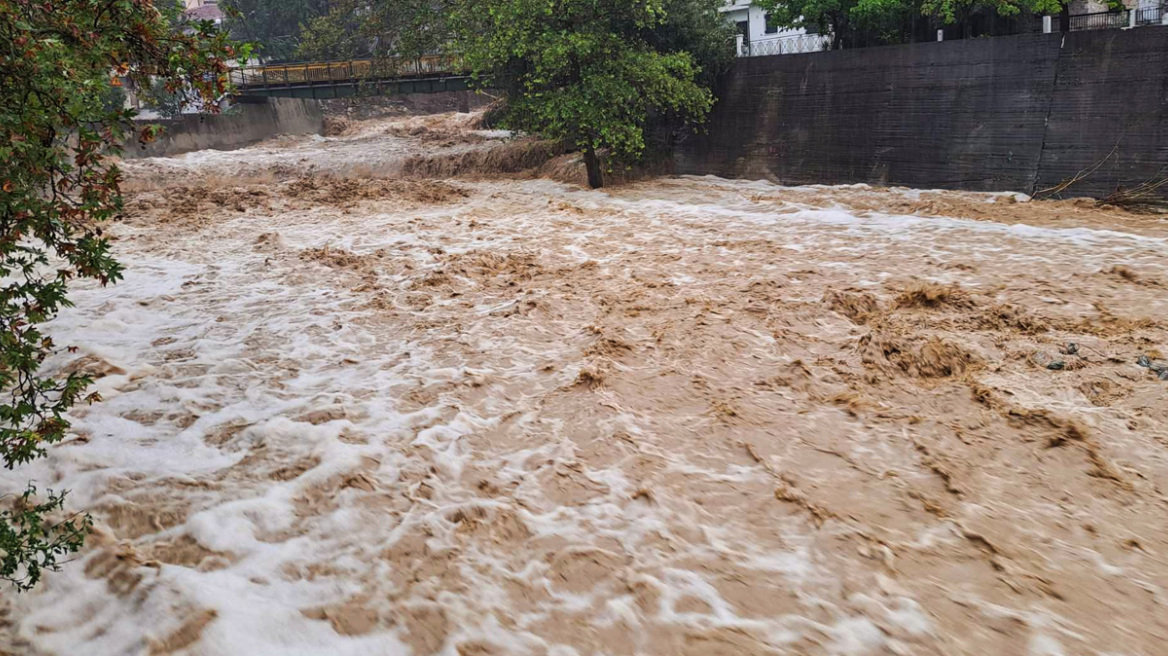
(59, 60)
(28, 545)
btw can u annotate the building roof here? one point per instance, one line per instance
(210, 12)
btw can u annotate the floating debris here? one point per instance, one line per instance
(1155, 366)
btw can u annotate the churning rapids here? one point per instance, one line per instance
(351, 411)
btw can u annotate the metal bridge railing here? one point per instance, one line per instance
(788, 45)
(310, 73)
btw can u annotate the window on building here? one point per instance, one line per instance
(743, 28)
(772, 26)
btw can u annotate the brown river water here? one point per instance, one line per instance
(350, 413)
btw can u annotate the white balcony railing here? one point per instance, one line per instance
(785, 45)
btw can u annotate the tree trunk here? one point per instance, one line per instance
(592, 164)
(839, 28)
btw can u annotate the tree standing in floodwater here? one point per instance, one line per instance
(594, 74)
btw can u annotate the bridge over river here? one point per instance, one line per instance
(337, 79)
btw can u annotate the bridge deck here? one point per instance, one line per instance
(390, 76)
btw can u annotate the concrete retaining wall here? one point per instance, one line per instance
(1011, 113)
(246, 123)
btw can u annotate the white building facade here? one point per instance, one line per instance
(758, 36)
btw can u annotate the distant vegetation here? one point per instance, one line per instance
(274, 26)
(287, 30)
(378, 28)
(853, 23)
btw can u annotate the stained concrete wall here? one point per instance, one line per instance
(1009, 113)
(245, 123)
(1109, 110)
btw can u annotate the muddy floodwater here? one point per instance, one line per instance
(348, 412)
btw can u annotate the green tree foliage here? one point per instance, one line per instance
(377, 28)
(160, 97)
(696, 27)
(950, 11)
(29, 544)
(114, 98)
(58, 131)
(273, 25)
(594, 73)
(821, 16)
(338, 35)
(888, 21)
(846, 21)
